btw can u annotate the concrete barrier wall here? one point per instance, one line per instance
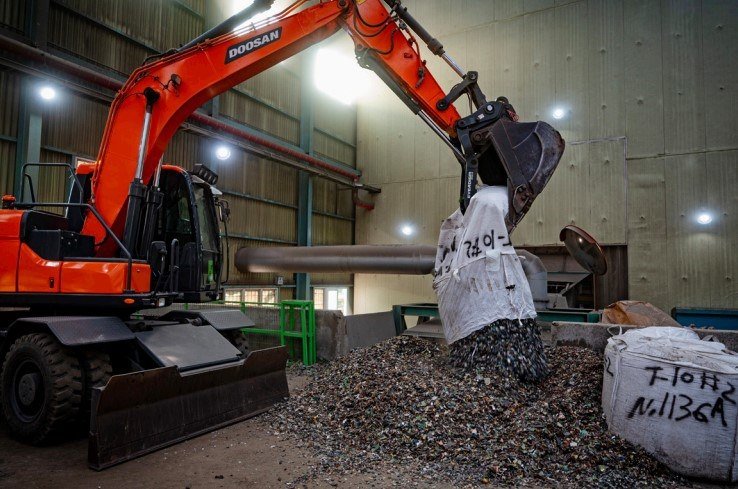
(336, 334)
(369, 329)
(595, 335)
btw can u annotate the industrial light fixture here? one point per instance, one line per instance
(558, 113)
(223, 153)
(704, 218)
(47, 92)
(339, 76)
(407, 230)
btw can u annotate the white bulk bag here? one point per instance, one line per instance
(675, 395)
(478, 275)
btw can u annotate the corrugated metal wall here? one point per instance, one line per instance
(649, 89)
(10, 89)
(116, 36)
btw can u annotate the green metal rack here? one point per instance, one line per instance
(296, 320)
(304, 329)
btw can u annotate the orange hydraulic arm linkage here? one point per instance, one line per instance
(159, 96)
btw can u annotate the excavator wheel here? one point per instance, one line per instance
(240, 341)
(97, 370)
(41, 384)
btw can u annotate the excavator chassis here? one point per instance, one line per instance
(176, 376)
(140, 412)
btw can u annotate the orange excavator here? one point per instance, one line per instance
(137, 234)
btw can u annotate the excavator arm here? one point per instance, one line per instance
(160, 95)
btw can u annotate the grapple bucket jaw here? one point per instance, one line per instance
(141, 412)
(522, 155)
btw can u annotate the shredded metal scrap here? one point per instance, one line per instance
(401, 402)
(505, 346)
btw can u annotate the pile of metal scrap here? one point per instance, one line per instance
(401, 402)
(507, 346)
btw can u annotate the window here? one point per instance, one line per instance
(269, 296)
(332, 298)
(232, 295)
(318, 298)
(265, 296)
(251, 295)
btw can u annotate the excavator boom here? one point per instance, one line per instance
(161, 94)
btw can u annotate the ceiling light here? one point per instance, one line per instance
(704, 218)
(339, 76)
(47, 93)
(407, 230)
(558, 113)
(223, 153)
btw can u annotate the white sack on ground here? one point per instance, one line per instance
(478, 275)
(675, 395)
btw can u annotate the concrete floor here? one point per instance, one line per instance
(247, 454)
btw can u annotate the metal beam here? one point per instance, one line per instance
(258, 199)
(186, 8)
(305, 182)
(260, 239)
(28, 144)
(333, 216)
(246, 128)
(38, 22)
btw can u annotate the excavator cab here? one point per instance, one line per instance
(189, 217)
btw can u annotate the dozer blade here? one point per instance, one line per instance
(528, 153)
(141, 412)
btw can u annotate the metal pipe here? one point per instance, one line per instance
(454, 66)
(389, 259)
(143, 143)
(157, 175)
(381, 259)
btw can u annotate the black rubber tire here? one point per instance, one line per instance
(39, 413)
(97, 370)
(240, 341)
